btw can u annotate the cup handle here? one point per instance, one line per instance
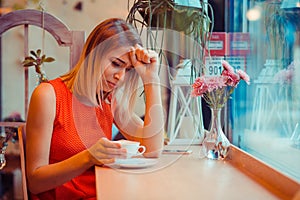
(143, 150)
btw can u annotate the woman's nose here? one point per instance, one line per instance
(120, 75)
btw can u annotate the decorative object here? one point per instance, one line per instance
(216, 90)
(37, 60)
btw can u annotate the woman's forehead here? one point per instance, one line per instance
(121, 54)
(120, 51)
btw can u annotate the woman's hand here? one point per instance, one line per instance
(105, 152)
(145, 63)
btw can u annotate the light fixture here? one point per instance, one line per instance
(254, 13)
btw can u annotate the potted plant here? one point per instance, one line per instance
(164, 15)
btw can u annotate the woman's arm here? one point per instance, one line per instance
(150, 132)
(153, 119)
(41, 175)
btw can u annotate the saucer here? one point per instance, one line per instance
(133, 163)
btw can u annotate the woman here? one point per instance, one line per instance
(70, 118)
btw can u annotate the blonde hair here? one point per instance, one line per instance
(84, 80)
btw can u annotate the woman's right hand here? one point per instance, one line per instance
(105, 151)
(145, 62)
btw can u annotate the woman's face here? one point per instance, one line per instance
(115, 70)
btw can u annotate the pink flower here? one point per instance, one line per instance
(232, 78)
(244, 76)
(228, 72)
(227, 66)
(216, 90)
(215, 82)
(199, 87)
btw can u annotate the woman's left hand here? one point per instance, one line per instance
(145, 63)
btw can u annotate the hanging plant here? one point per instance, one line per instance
(154, 15)
(37, 60)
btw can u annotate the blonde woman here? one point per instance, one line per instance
(69, 123)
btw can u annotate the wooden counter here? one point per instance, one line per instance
(185, 177)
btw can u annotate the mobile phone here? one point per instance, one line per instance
(177, 151)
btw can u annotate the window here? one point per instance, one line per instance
(265, 116)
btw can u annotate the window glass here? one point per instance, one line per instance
(265, 116)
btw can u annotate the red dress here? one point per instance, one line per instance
(75, 129)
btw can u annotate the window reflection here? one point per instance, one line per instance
(265, 117)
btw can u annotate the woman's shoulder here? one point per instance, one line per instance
(44, 92)
(50, 88)
(44, 88)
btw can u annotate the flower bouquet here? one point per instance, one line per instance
(216, 90)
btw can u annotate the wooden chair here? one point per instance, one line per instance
(65, 37)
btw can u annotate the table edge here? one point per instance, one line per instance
(274, 181)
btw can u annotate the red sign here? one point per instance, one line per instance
(217, 44)
(238, 44)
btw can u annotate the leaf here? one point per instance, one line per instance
(29, 57)
(33, 53)
(38, 52)
(28, 64)
(49, 59)
(27, 61)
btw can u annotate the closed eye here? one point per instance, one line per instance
(128, 69)
(116, 64)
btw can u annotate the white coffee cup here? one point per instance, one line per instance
(133, 148)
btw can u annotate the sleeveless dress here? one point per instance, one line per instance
(66, 141)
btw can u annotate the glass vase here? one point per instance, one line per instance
(215, 144)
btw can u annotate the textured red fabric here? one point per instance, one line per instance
(68, 141)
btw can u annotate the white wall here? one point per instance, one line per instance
(93, 11)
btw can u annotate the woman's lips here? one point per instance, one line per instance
(111, 84)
